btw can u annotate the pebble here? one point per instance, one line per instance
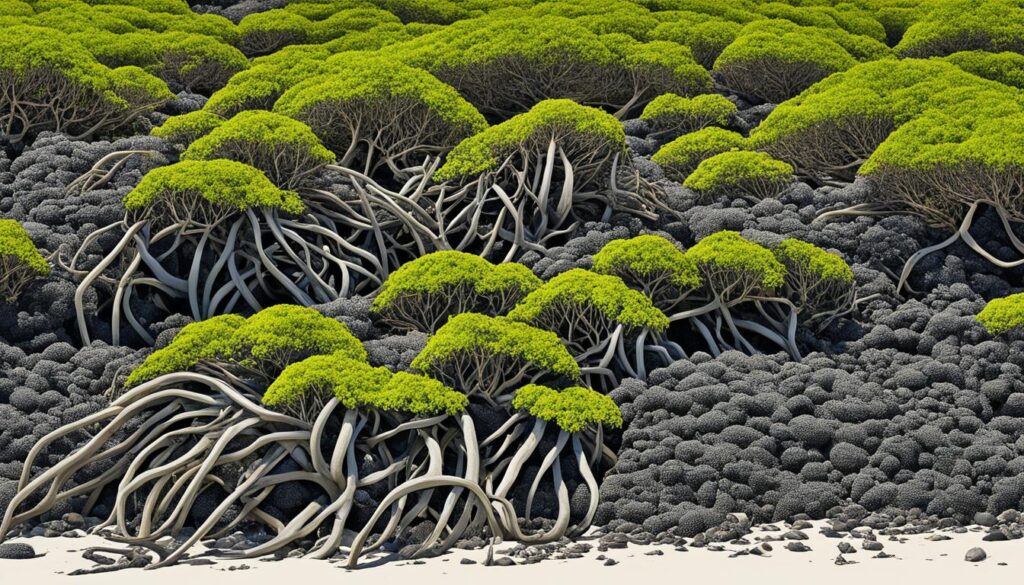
(840, 560)
(654, 553)
(795, 535)
(846, 548)
(504, 562)
(994, 537)
(976, 555)
(466, 561)
(610, 562)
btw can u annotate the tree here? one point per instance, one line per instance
(198, 341)
(820, 283)
(950, 26)
(229, 224)
(488, 357)
(596, 316)
(422, 294)
(20, 261)
(50, 83)
(680, 157)
(833, 127)
(773, 61)
(286, 150)
(376, 113)
(284, 334)
(653, 265)
(198, 63)
(674, 115)
(706, 35)
(304, 387)
(755, 175)
(262, 33)
(260, 86)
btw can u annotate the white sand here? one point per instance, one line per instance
(918, 562)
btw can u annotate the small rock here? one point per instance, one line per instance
(840, 560)
(74, 520)
(504, 562)
(976, 555)
(610, 562)
(795, 535)
(16, 550)
(846, 548)
(883, 555)
(985, 519)
(654, 553)
(994, 537)
(465, 561)
(766, 546)
(939, 537)
(872, 545)
(797, 546)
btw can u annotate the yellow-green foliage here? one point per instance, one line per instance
(307, 385)
(1006, 67)
(285, 149)
(186, 128)
(775, 60)
(258, 87)
(48, 81)
(498, 339)
(352, 21)
(1002, 315)
(426, 291)
(573, 409)
(645, 261)
(224, 184)
(950, 26)
(733, 267)
(672, 113)
(800, 256)
(199, 63)
(416, 395)
(579, 130)
(429, 11)
(395, 105)
(202, 340)
(283, 334)
(580, 291)
(20, 261)
(265, 32)
(837, 124)
(754, 174)
(681, 156)
(707, 36)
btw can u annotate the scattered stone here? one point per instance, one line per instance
(872, 545)
(975, 555)
(795, 535)
(846, 548)
(465, 561)
(883, 555)
(996, 536)
(766, 546)
(939, 537)
(840, 560)
(797, 546)
(504, 562)
(16, 550)
(610, 562)
(655, 553)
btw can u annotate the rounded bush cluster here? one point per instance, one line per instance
(754, 174)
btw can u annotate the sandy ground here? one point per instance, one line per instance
(917, 561)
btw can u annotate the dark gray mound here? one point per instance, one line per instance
(922, 413)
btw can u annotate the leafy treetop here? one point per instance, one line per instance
(566, 122)
(320, 377)
(280, 335)
(572, 409)
(224, 183)
(731, 253)
(15, 242)
(813, 260)
(608, 295)
(202, 340)
(647, 256)
(476, 333)
(418, 395)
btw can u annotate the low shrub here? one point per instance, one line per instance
(20, 261)
(672, 114)
(755, 175)
(680, 157)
